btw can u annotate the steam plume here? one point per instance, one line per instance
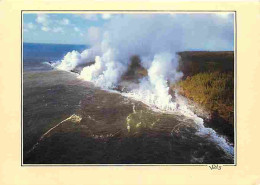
(155, 38)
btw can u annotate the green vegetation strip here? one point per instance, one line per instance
(214, 91)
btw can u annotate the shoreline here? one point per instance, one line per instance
(211, 119)
(220, 126)
(209, 71)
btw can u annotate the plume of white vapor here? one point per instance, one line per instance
(154, 90)
(74, 58)
(155, 38)
(107, 69)
(149, 35)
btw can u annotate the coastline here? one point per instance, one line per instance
(211, 120)
(192, 64)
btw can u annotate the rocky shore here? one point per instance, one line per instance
(213, 72)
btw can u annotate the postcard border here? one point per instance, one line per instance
(135, 11)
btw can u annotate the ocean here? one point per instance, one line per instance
(67, 120)
(34, 55)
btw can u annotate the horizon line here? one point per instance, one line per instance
(53, 43)
(192, 50)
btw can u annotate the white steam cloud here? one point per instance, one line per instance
(155, 38)
(74, 58)
(154, 90)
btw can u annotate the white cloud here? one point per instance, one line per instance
(42, 19)
(91, 17)
(76, 29)
(172, 14)
(65, 22)
(57, 30)
(224, 15)
(47, 24)
(106, 16)
(28, 26)
(45, 28)
(93, 35)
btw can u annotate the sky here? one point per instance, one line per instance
(61, 28)
(87, 29)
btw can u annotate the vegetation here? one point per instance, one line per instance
(209, 81)
(194, 62)
(214, 91)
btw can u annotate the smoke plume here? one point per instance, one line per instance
(155, 38)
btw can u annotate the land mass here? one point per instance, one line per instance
(207, 82)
